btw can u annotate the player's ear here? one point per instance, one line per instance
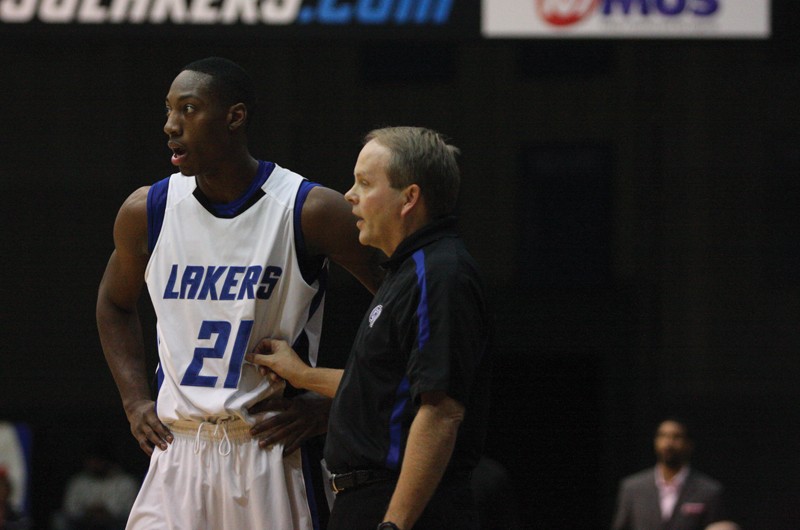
(237, 116)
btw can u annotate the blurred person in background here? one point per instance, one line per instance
(672, 495)
(99, 497)
(10, 519)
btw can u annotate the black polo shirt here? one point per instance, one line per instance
(427, 329)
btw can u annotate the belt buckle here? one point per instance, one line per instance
(333, 483)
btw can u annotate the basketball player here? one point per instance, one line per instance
(232, 249)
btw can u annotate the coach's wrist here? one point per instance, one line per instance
(388, 525)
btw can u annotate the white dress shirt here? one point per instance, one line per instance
(668, 492)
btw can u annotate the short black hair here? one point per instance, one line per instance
(681, 420)
(230, 82)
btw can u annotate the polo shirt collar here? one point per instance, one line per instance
(433, 231)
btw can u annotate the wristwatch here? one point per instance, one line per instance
(387, 525)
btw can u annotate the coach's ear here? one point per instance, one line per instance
(237, 116)
(412, 200)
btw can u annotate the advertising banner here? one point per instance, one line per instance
(625, 19)
(264, 18)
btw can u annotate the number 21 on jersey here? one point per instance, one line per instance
(222, 330)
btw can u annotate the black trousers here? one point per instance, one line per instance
(363, 507)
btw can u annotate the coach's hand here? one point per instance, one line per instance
(298, 419)
(276, 359)
(146, 427)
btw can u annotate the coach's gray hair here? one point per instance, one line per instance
(423, 157)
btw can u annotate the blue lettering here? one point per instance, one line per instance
(711, 7)
(169, 290)
(665, 9)
(239, 349)
(268, 282)
(230, 283)
(422, 11)
(375, 12)
(626, 6)
(198, 282)
(192, 275)
(370, 13)
(222, 330)
(249, 282)
(210, 283)
(329, 12)
(306, 15)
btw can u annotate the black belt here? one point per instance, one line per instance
(360, 477)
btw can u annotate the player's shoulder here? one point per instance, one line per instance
(130, 227)
(155, 195)
(321, 197)
(281, 181)
(137, 205)
(136, 201)
(325, 207)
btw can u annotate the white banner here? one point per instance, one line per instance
(625, 18)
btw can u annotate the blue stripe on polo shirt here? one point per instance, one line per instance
(402, 396)
(395, 425)
(423, 318)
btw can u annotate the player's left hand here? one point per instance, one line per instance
(297, 420)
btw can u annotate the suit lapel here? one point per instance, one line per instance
(676, 520)
(654, 502)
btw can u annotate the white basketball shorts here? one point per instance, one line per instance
(216, 477)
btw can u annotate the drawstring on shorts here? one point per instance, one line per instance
(226, 442)
(224, 433)
(197, 438)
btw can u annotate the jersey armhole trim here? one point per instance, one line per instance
(156, 206)
(310, 266)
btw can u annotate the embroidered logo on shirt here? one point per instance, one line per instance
(375, 314)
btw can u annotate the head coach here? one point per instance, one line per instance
(408, 418)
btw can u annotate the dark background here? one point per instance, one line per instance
(633, 205)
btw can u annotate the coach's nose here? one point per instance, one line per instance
(350, 196)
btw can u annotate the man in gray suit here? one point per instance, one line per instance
(671, 496)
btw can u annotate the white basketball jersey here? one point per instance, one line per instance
(218, 286)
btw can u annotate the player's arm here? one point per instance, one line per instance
(283, 362)
(298, 419)
(119, 326)
(329, 229)
(430, 445)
